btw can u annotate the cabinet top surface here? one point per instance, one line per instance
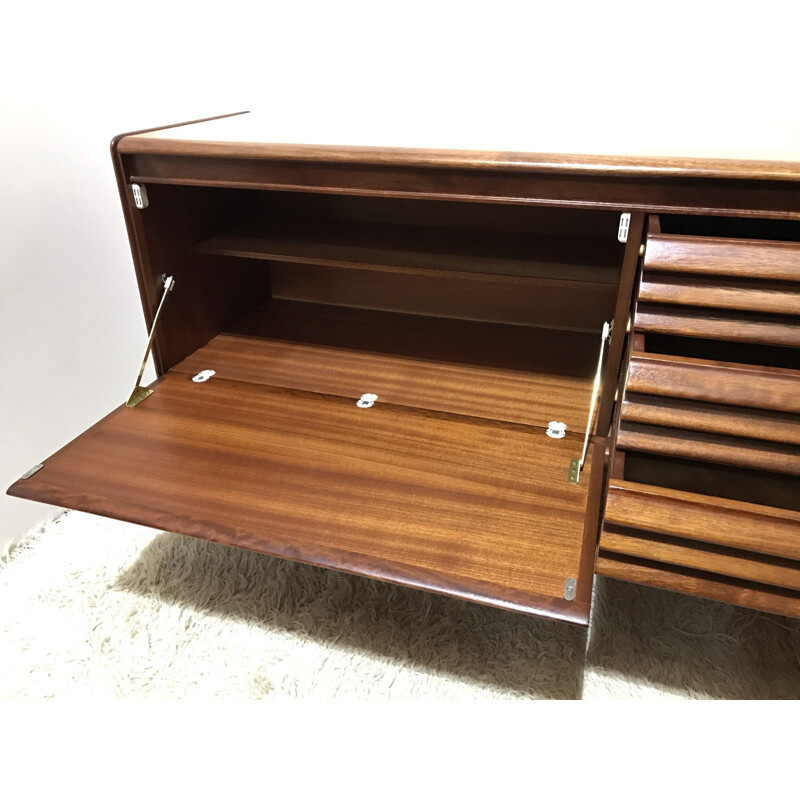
(747, 150)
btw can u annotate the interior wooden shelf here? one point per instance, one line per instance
(487, 514)
(390, 247)
(500, 372)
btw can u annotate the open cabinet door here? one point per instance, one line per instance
(474, 508)
(306, 280)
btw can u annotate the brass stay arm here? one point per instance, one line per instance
(576, 465)
(140, 392)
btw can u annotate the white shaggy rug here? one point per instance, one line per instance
(94, 608)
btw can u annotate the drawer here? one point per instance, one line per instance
(704, 494)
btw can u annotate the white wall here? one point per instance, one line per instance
(74, 74)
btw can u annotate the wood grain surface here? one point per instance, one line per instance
(714, 520)
(736, 451)
(392, 247)
(630, 191)
(427, 338)
(770, 426)
(743, 258)
(731, 327)
(565, 305)
(715, 382)
(700, 584)
(472, 508)
(614, 370)
(727, 293)
(719, 561)
(529, 398)
(566, 140)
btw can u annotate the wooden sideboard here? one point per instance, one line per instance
(486, 374)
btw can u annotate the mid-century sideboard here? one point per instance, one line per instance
(491, 375)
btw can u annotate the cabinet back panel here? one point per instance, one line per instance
(548, 303)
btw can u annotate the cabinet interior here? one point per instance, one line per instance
(475, 325)
(488, 310)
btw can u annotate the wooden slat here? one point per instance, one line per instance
(738, 452)
(732, 563)
(471, 508)
(711, 418)
(715, 520)
(700, 584)
(745, 258)
(681, 290)
(527, 397)
(715, 382)
(677, 321)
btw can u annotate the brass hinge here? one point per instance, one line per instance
(140, 392)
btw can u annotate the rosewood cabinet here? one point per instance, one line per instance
(484, 374)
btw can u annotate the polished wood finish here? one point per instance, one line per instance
(211, 292)
(700, 584)
(714, 382)
(715, 560)
(409, 248)
(742, 258)
(614, 367)
(676, 321)
(552, 304)
(702, 518)
(467, 290)
(692, 291)
(711, 418)
(776, 199)
(695, 153)
(531, 397)
(710, 447)
(453, 341)
(733, 420)
(467, 507)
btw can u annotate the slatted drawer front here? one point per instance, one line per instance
(728, 289)
(733, 419)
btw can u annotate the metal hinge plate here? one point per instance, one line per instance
(31, 471)
(574, 474)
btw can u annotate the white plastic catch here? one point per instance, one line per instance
(557, 430)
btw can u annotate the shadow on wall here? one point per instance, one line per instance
(640, 635)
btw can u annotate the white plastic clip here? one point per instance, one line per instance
(557, 430)
(366, 400)
(139, 196)
(624, 227)
(203, 376)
